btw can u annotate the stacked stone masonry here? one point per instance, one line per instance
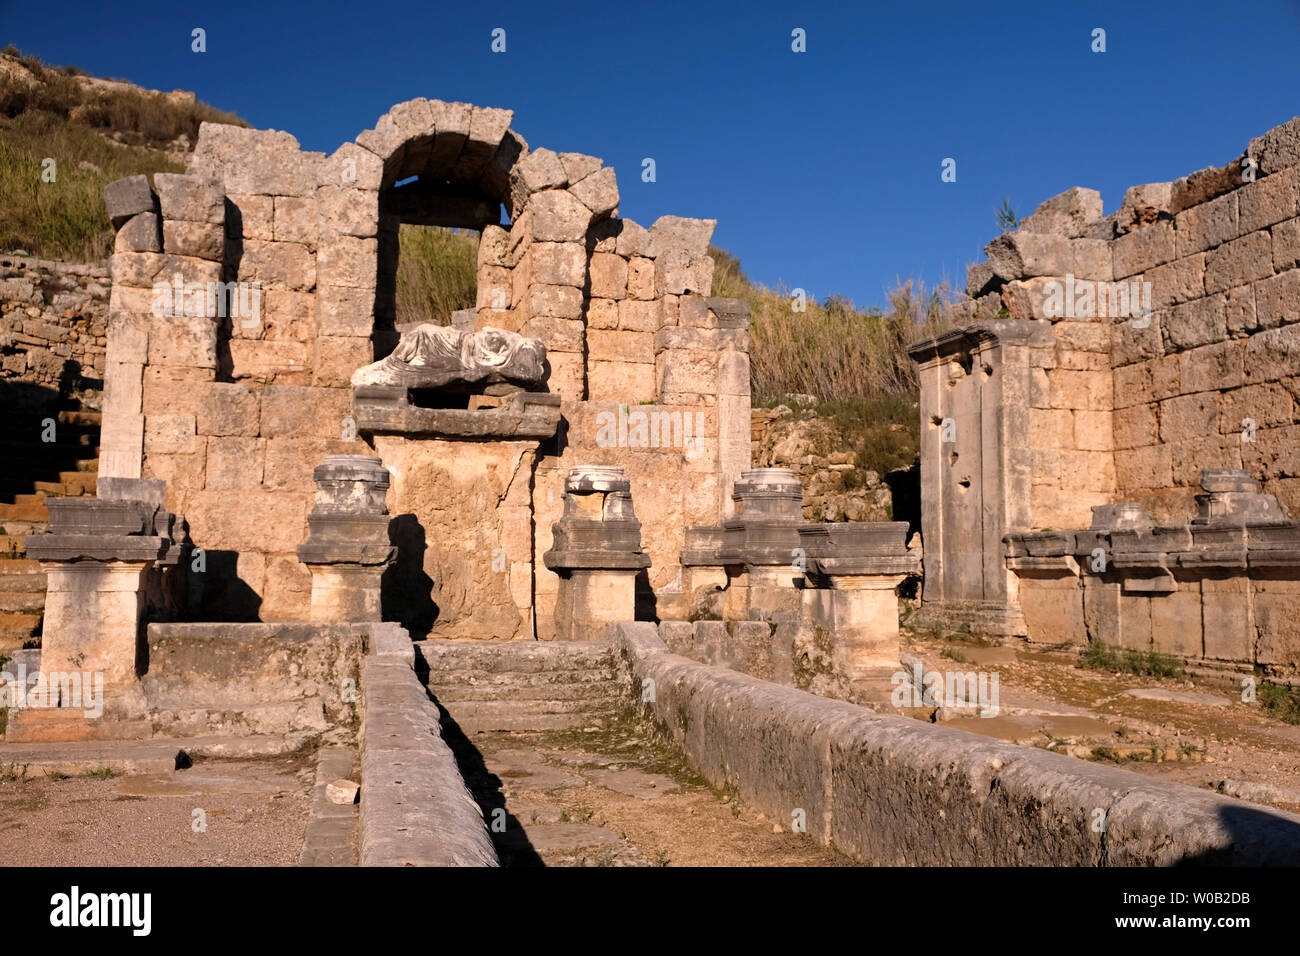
(1115, 359)
(54, 328)
(246, 293)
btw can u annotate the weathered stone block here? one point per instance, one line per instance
(1195, 323)
(349, 262)
(253, 161)
(1239, 261)
(170, 434)
(251, 217)
(1189, 416)
(598, 192)
(559, 263)
(234, 463)
(295, 219)
(202, 240)
(1143, 249)
(228, 409)
(1024, 255)
(1277, 299)
(557, 216)
(609, 276)
(558, 301)
(345, 311)
(128, 197)
(638, 316)
(351, 167)
(141, 233)
(636, 240)
(279, 265)
(1179, 281)
(678, 234)
(620, 346)
(190, 198)
(1206, 225)
(304, 412)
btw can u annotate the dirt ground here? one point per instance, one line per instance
(613, 798)
(254, 813)
(1193, 730)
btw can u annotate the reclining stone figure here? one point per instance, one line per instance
(431, 356)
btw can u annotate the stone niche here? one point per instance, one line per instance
(462, 461)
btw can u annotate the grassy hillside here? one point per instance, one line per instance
(96, 131)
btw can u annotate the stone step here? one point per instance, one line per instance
(25, 510)
(17, 627)
(513, 656)
(526, 723)
(248, 718)
(506, 679)
(29, 601)
(507, 708)
(43, 724)
(153, 755)
(88, 419)
(80, 757)
(606, 691)
(19, 566)
(22, 582)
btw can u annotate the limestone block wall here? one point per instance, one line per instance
(1213, 381)
(1164, 347)
(1173, 320)
(54, 321)
(281, 264)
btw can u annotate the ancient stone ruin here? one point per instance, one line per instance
(312, 523)
(1108, 449)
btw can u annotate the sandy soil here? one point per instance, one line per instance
(255, 813)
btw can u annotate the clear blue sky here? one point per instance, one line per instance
(822, 168)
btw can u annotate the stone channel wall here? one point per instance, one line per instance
(415, 809)
(893, 791)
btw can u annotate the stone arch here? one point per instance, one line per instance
(438, 163)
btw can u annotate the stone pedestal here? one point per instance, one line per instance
(761, 544)
(348, 548)
(704, 576)
(98, 555)
(853, 571)
(597, 554)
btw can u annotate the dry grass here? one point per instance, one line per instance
(435, 273)
(833, 349)
(94, 136)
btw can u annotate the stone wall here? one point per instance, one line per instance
(232, 408)
(54, 328)
(894, 791)
(1113, 358)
